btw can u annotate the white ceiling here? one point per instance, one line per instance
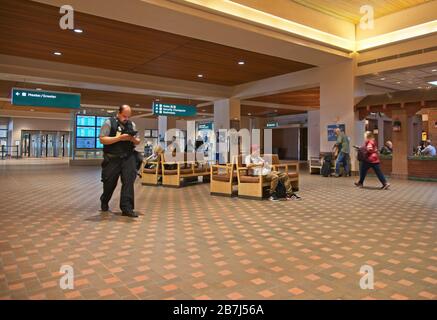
(405, 79)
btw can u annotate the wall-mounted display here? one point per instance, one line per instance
(88, 131)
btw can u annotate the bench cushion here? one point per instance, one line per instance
(249, 179)
(151, 171)
(293, 175)
(220, 177)
(175, 172)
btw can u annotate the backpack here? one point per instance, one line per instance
(362, 153)
(281, 192)
(326, 167)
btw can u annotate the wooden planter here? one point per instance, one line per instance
(424, 168)
(386, 165)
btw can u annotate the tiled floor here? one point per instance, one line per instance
(189, 245)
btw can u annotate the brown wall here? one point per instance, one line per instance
(286, 139)
(432, 130)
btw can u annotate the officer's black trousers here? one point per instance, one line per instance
(112, 169)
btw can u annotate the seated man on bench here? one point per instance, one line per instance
(261, 168)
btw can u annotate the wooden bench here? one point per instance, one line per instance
(173, 172)
(316, 163)
(151, 176)
(250, 186)
(222, 179)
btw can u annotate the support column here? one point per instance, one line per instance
(165, 123)
(313, 133)
(380, 141)
(400, 145)
(338, 91)
(227, 114)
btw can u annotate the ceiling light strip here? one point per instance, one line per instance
(250, 14)
(238, 10)
(398, 35)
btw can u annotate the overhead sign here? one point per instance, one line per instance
(177, 110)
(205, 126)
(39, 98)
(272, 124)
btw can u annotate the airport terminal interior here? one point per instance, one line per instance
(316, 90)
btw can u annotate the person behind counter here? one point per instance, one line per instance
(429, 150)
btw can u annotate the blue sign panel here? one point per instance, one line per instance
(331, 132)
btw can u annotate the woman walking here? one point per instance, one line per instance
(371, 160)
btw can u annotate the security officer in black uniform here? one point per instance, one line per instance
(119, 138)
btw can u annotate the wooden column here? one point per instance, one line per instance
(400, 145)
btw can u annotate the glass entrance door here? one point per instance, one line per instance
(45, 144)
(25, 144)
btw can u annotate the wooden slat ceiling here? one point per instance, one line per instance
(350, 9)
(306, 97)
(31, 29)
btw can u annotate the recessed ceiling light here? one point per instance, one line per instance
(433, 70)
(235, 118)
(78, 30)
(137, 105)
(156, 99)
(434, 83)
(38, 89)
(398, 82)
(382, 79)
(203, 110)
(276, 110)
(419, 87)
(241, 62)
(200, 75)
(249, 114)
(57, 53)
(32, 110)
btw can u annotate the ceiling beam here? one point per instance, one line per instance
(304, 79)
(279, 106)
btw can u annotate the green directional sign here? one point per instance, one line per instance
(176, 110)
(40, 98)
(205, 126)
(272, 124)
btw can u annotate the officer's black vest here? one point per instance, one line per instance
(121, 147)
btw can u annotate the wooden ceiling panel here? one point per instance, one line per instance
(264, 112)
(306, 97)
(30, 29)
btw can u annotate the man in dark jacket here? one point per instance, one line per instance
(119, 138)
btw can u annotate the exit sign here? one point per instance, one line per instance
(273, 124)
(40, 98)
(177, 110)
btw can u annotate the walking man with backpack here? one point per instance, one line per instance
(342, 144)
